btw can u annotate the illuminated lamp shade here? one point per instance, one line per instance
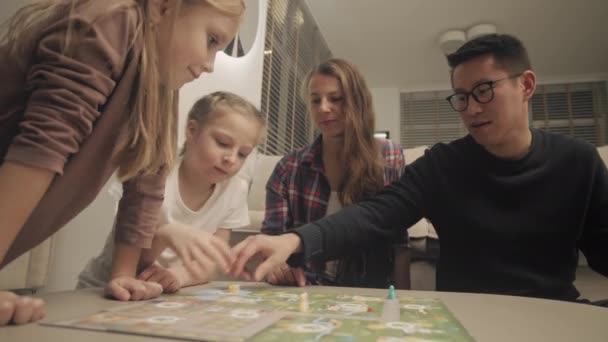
(450, 41)
(480, 30)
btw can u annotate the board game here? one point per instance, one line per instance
(266, 314)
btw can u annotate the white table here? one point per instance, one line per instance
(486, 317)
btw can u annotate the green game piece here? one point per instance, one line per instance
(391, 292)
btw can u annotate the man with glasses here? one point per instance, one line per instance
(512, 206)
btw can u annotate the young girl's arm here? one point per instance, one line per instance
(22, 187)
(149, 255)
(25, 186)
(136, 223)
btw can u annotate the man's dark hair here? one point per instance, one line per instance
(508, 51)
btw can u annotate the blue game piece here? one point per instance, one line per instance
(391, 292)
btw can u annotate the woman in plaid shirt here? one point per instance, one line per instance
(343, 165)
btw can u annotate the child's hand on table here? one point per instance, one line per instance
(128, 288)
(16, 309)
(168, 278)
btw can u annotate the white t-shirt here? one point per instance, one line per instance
(225, 208)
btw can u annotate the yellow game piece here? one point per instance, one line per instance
(234, 288)
(304, 302)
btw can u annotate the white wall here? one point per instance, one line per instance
(84, 236)
(242, 76)
(386, 106)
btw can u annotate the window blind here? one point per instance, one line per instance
(575, 109)
(427, 118)
(293, 45)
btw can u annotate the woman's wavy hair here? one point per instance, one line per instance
(362, 153)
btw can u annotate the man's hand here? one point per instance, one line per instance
(128, 288)
(274, 250)
(19, 309)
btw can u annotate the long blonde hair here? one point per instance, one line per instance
(148, 141)
(362, 154)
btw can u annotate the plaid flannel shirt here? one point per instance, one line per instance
(298, 192)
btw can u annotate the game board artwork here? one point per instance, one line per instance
(269, 314)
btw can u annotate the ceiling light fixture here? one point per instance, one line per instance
(451, 40)
(480, 30)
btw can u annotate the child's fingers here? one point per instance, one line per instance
(137, 291)
(156, 277)
(225, 251)
(146, 274)
(136, 288)
(203, 270)
(192, 267)
(23, 310)
(27, 310)
(169, 287)
(39, 314)
(244, 251)
(215, 252)
(170, 283)
(167, 280)
(115, 290)
(196, 262)
(152, 290)
(7, 309)
(197, 254)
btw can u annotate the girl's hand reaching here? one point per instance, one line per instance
(196, 248)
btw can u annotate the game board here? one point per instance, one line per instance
(273, 315)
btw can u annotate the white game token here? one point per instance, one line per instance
(170, 305)
(163, 319)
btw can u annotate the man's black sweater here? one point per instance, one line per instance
(505, 226)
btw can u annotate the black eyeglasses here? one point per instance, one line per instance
(482, 93)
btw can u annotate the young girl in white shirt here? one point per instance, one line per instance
(204, 197)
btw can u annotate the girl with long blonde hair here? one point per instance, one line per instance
(90, 88)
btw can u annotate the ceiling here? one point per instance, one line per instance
(394, 42)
